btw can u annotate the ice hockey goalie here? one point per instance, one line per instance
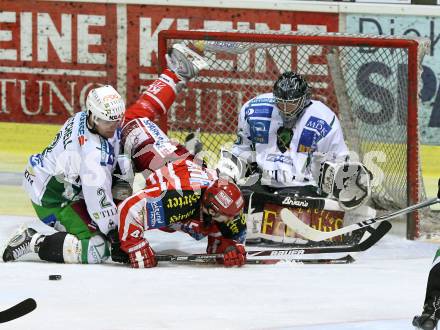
(290, 151)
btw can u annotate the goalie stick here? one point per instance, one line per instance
(257, 199)
(19, 310)
(292, 221)
(212, 258)
(375, 236)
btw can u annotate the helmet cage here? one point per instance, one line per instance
(292, 94)
(291, 108)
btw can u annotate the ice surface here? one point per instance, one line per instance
(382, 290)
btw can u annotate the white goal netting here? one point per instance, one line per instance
(370, 82)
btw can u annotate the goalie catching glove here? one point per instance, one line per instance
(348, 182)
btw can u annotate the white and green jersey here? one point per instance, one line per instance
(77, 164)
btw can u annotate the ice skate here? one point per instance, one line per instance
(22, 242)
(430, 315)
(184, 62)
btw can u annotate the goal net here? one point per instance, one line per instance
(370, 82)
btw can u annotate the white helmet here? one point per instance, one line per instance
(105, 103)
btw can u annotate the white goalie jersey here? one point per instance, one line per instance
(317, 132)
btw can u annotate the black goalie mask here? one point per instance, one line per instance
(292, 95)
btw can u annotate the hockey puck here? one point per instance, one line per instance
(54, 277)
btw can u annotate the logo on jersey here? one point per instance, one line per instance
(154, 130)
(279, 159)
(36, 160)
(162, 144)
(258, 111)
(259, 130)
(155, 214)
(67, 133)
(29, 175)
(318, 125)
(81, 129)
(107, 152)
(314, 130)
(164, 149)
(81, 140)
(260, 100)
(156, 87)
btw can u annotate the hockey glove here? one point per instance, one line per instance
(115, 247)
(234, 253)
(142, 256)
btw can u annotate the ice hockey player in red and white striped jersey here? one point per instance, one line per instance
(180, 193)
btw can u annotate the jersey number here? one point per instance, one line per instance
(103, 202)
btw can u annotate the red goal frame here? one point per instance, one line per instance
(412, 46)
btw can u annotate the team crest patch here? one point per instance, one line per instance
(223, 199)
(259, 130)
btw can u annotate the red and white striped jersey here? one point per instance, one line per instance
(172, 195)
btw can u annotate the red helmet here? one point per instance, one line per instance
(223, 197)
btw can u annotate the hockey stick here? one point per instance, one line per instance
(201, 258)
(375, 236)
(259, 198)
(292, 221)
(348, 259)
(19, 310)
(290, 254)
(212, 259)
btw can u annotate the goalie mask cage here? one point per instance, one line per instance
(370, 82)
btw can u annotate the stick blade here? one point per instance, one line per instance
(19, 310)
(295, 224)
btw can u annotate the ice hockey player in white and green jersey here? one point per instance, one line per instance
(70, 186)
